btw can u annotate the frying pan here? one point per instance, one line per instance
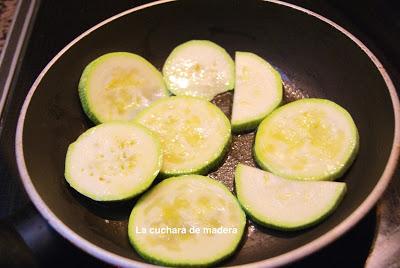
(316, 58)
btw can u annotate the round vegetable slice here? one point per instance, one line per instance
(117, 85)
(310, 139)
(186, 221)
(285, 204)
(258, 91)
(195, 134)
(199, 68)
(113, 161)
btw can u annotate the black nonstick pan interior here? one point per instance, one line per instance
(314, 59)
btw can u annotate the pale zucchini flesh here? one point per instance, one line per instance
(115, 86)
(195, 134)
(182, 203)
(113, 161)
(258, 91)
(310, 139)
(199, 68)
(285, 204)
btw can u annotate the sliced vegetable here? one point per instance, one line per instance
(199, 68)
(117, 85)
(285, 204)
(113, 161)
(258, 91)
(310, 139)
(186, 221)
(194, 133)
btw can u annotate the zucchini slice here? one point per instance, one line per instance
(258, 91)
(117, 85)
(310, 139)
(186, 221)
(195, 134)
(199, 68)
(285, 204)
(113, 161)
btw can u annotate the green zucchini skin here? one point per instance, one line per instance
(170, 263)
(84, 82)
(83, 93)
(218, 156)
(250, 124)
(338, 172)
(194, 45)
(212, 166)
(284, 228)
(247, 127)
(263, 220)
(137, 189)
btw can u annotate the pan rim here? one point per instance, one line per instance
(279, 260)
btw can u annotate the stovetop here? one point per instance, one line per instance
(50, 25)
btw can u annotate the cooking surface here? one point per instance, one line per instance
(48, 39)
